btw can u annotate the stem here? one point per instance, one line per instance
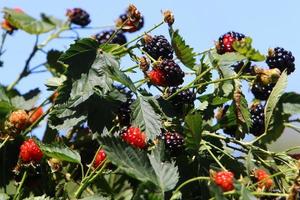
(85, 183)
(20, 186)
(140, 36)
(25, 72)
(190, 84)
(4, 142)
(2, 42)
(204, 52)
(214, 157)
(200, 178)
(130, 68)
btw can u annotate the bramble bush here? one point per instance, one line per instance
(109, 136)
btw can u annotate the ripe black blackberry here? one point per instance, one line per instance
(78, 16)
(124, 111)
(157, 46)
(173, 73)
(184, 97)
(281, 59)
(173, 142)
(104, 36)
(248, 69)
(258, 119)
(261, 91)
(225, 42)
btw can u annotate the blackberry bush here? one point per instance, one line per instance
(128, 115)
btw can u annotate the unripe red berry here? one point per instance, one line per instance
(224, 180)
(100, 157)
(30, 151)
(134, 137)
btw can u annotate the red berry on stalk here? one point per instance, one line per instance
(225, 42)
(30, 151)
(224, 179)
(157, 77)
(135, 137)
(100, 157)
(263, 177)
(35, 114)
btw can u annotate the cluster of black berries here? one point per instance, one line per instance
(78, 16)
(157, 46)
(124, 111)
(173, 142)
(184, 99)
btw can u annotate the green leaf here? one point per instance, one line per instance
(80, 56)
(146, 191)
(245, 194)
(291, 103)
(226, 59)
(27, 23)
(114, 49)
(273, 99)
(193, 130)
(61, 152)
(53, 66)
(167, 173)
(245, 48)
(216, 192)
(132, 161)
(26, 101)
(4, 196)
(96, 197)
(144, 116)
(5, 109)
(183, 51)
(201, 68)
(112, 68)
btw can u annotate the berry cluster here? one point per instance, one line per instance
(104, 37)
(157, 46)
(19, 120)
(281, 59)
(258, 119)
(130, 21)
(224, 179)
(30, 152)
(124, 111)
(78, 16)
(100, 157)
(166, 73)
(225, 41)
(135, 137)
(261, 91)
(185, 97)
(173, 141)
(263, 179)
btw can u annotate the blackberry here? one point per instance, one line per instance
(184, 97)
(281, 59)
(261, 91)
(104, 36)
(258, 119)
(225, 42)
(248, 69)
(124, 111)
(78, 16)
(173, 141)
(173, 73)
(131, 25)
(157, 46)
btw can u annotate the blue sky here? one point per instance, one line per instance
(269, 23)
